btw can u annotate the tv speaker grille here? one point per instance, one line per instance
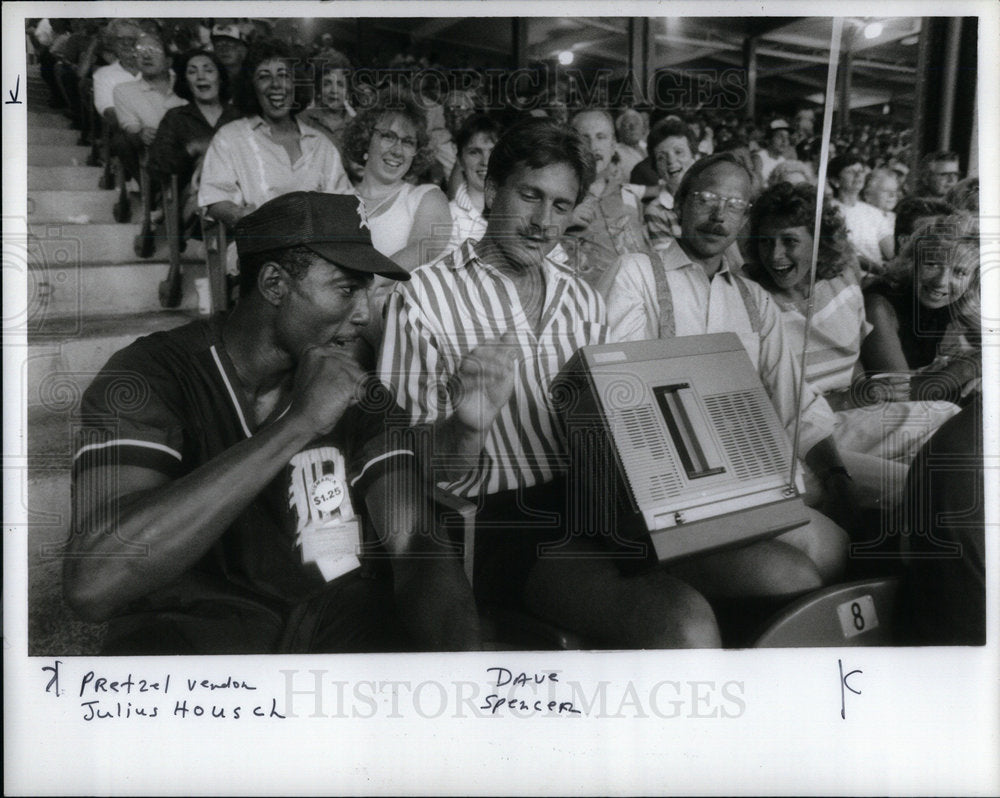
(741, 422)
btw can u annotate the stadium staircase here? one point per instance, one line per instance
(88, 295)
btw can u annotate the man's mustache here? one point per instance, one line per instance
(713, 229)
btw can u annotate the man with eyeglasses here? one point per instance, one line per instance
(141, 104)
(939, 171)
(697, 290)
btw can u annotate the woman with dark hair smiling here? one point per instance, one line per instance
(268, 152)
(475, 142)
(331, 109)
(185, 132)
(781, 236)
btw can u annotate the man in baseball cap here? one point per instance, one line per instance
(219, 512)
(230, 46)
(775, 149)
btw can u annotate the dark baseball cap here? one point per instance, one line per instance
(331, 225)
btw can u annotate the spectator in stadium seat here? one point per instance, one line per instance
(793, 172)
(69, 51)
(229, 45)
(242, 474)
(926, 312)
(501, 445)
(911, 211)
(407, 221)
(122, 35)
(775, 151)
(185, 132)
(269, 151)
(695, 291)
(673, 148)
(631, 147)
(964, 195)
(866, 224)
(882, 191)
(937, 174)
(608, 222)
(475, 142)
(804, 133)
(331, 109)
(140, 104)
(876, 446)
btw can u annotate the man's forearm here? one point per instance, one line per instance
(457, 448)
(177, 522)
(229, 213)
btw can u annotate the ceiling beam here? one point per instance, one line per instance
(550, 48)
(763, 26)
(432, 27)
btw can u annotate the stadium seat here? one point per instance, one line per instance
(145, 244)
(170, 288)
(216, 241)
(855, 614)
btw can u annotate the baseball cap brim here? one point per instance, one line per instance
(359, 258)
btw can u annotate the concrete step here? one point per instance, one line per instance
(59, 370)
(64, 178)
(61, 136)
(59, 299)
(71, 207)
(57, 155)
(43, 117)
(55, 246)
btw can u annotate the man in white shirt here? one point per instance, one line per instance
(121, 36)
(608, 223)
(696, 291)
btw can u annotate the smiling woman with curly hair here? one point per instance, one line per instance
(409, 223)
(390, 140)
(781, 236)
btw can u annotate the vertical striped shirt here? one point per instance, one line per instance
(838, 327)
(453, 305)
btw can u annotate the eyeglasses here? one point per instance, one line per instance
(153, 49)
(390, 139)
(734, 207)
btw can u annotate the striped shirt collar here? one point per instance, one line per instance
(465, 257)
(464, 201)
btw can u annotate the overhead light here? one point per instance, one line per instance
(566, 57)
(873, 30)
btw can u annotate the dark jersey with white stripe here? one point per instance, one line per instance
(170, 402)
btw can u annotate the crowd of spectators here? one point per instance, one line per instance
(243, 113)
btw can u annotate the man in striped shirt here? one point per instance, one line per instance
(472, 344)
